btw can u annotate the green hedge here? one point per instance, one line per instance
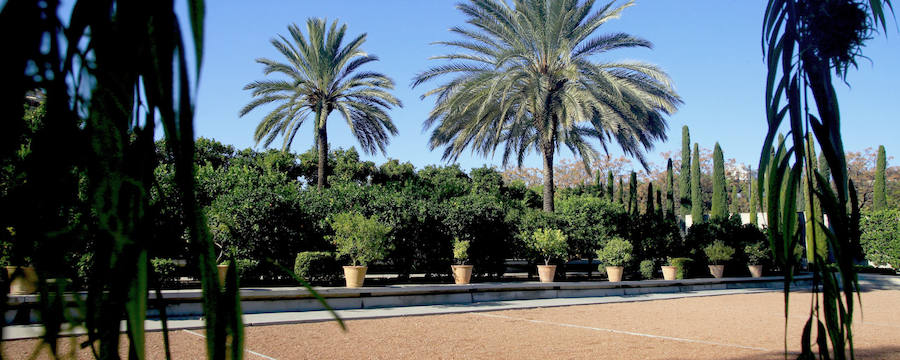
(317, 267)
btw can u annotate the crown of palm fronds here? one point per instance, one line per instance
(524, 76)
(322, 77)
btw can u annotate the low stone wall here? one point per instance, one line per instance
(187, 303)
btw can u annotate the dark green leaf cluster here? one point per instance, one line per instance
(881, 237)
(317, 267)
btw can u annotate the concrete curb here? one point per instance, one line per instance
(187, 303)
(295, 305)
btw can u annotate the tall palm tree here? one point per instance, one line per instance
(525, 77)
(322, 77)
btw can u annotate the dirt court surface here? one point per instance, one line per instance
(748, 326)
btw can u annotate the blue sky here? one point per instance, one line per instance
(711, 49)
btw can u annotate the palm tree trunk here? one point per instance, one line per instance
(548, 178)
(322, 144)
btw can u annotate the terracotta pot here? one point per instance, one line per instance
(223, 273)
(355, 275)
(24, 283)
(669, 272)
(755, 270)
(614, 273)
(546, 272)
(717, 270)
(461, 273)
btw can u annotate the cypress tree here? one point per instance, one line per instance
(669, 210)
(650, 208)
(609, 186)
(621, 197)
(684, 176)
(754, 201)
(719, 210)
(823, 166)
(632, 194)
(880, 200)
(824, 169)
(598, 185)
(733, 204)
(696, 199)
(659, 205)
(813, 209)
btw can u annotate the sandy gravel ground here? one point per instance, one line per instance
(747, 326)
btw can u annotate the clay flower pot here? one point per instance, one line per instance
(23, 284)
(223, 273)
(717, 270)
(355, 275)
(669, 272)
(614, 273)
(461, 273)
(546, 273)
(755, 270)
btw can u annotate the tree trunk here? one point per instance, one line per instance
(548, 178)
(322, 144)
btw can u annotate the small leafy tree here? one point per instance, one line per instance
(549, 243)
(460, 251)
(617, 252)
(362, 239)
(757, 253)
(718, 252)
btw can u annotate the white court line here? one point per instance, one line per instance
(251, 352)
(625, 332)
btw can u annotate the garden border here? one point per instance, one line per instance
(254, 300)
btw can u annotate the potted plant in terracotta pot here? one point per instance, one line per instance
(462, 273)
(718, 253)
(675, 268)
(363, 240)
(21, 276)
(221, 262)
(614, 256)
(756, 254)
(549, 243)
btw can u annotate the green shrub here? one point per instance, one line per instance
(362, 239)
(681, 266)
(165, 270)
(460, 250)
(648, 269)
(757, 253)
(249, 271)
(317, 266)
(880, 237)
(616, 252)
(484, 220)
(549, 243)
(718, 252)
(584, 218)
